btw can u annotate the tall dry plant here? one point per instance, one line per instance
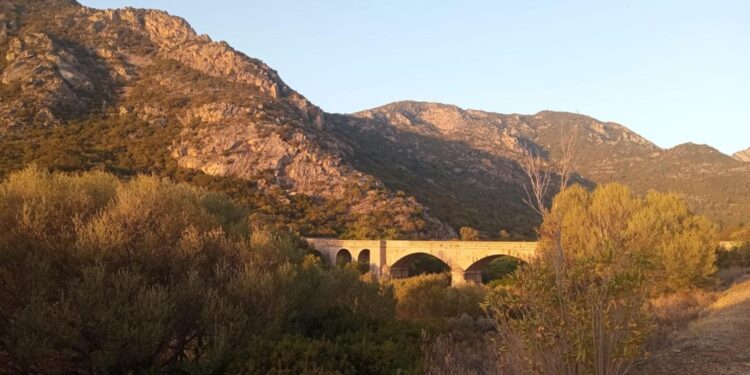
(567, 314)
(540, 179)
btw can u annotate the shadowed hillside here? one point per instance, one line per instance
(480, 150)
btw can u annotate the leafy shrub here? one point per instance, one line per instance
(100, 275)
(431, 297)
(674, 247)
(589, 318)
(582, 306)
(469, 234)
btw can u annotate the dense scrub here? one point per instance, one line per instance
(430, 297)
(126, 146)
(100, 275)
(583, 306)
(672, 247)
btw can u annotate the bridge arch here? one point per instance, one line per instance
(363, 257)
(483, 262)
(417, 263)
(343, 257)
(364, 261)
(462, 257)
(487, 269)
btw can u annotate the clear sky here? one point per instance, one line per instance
(672, 70)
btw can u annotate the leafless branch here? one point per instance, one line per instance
(539, 181)
(566, 163)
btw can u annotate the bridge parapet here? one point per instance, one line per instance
(391, 258)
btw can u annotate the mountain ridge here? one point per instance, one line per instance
(742, 155)
(605, 152)
(202, 105)
(139, 91)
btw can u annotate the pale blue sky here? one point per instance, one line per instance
(672, 70)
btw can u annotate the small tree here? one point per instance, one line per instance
(569, 312)
(674, 248)
(469, 234)
(503, 235)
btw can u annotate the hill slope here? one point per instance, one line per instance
(138, 91)
(742, 155)
(449, 157)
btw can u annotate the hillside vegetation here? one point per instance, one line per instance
(454, 159)
(583, 307)
(100, 275)
(139, 91)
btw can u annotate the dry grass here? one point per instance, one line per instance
(465, 350)
(718, 342)
(732, 302)
(674, 312)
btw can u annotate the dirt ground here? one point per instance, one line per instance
(715, 344)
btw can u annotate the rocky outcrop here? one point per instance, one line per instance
(231, 115)
(175, 39)
(43, 81)
(743, 155)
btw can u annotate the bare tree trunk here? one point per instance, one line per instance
(537, 189)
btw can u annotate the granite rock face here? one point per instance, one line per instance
(232, 115)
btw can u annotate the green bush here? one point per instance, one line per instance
(674, 247)
(431, 297)
(582, 306)
(100, 275)
(499, 270)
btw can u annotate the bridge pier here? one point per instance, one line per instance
(473, 276)
(398, 273)
(460, 277)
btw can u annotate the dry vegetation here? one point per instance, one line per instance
(674, 312)
(718, 342)
(582, 307)
(72, 244)
(99, 275)
(102, 275)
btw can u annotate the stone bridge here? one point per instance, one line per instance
(391, 259)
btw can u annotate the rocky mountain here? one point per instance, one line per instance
(463, 164)
(742, 155)
(138, 91)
